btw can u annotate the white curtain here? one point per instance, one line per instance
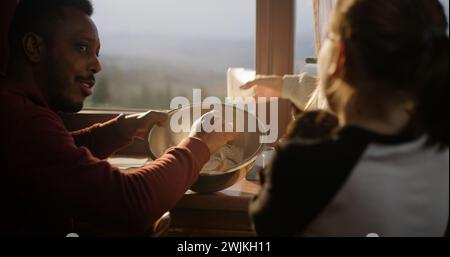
(322, 12)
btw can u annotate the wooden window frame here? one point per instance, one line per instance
(275, 33)
(275, 36)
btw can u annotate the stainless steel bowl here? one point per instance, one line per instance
(160, 139)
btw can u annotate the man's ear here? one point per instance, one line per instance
(33, 47)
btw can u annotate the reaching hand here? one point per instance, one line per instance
(213, 139)
(266, 86)
(138, 125)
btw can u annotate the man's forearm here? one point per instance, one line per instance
(103, 139)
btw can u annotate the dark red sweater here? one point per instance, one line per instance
(51, 178)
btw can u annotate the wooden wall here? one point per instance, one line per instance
(6, 13)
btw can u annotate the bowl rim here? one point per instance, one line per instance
(244, 163)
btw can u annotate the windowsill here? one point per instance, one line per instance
(93, 111)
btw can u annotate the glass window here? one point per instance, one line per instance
(445, 4)
(154, 50)
(304, 41)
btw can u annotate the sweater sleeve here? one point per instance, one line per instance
(102, 139)
(70, 180)
(299, 89)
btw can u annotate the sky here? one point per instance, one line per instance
(189, 19)
(193, 18)
(183, 20)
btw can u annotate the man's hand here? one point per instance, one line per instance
(214, 140)
(266, 86)
(138, 125)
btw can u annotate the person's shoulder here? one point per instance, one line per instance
(313, 127)
(299, 148)
(332, 154)
(18, 103)
(318, 133)
(18, 110)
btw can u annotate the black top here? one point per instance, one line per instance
(306, 174)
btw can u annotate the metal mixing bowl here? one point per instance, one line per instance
(160, 139)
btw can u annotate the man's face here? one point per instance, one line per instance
(71, 61)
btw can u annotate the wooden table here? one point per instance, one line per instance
(223, 213)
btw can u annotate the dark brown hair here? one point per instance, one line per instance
(395, 49)
(37, 16)
(314, 126)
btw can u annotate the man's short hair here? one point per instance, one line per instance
(37, 16)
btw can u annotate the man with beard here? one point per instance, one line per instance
(53, 179)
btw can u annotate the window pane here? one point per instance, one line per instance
(304, 43)
(154, 50)
(445, 4)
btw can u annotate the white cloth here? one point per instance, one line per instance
(299, 89)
